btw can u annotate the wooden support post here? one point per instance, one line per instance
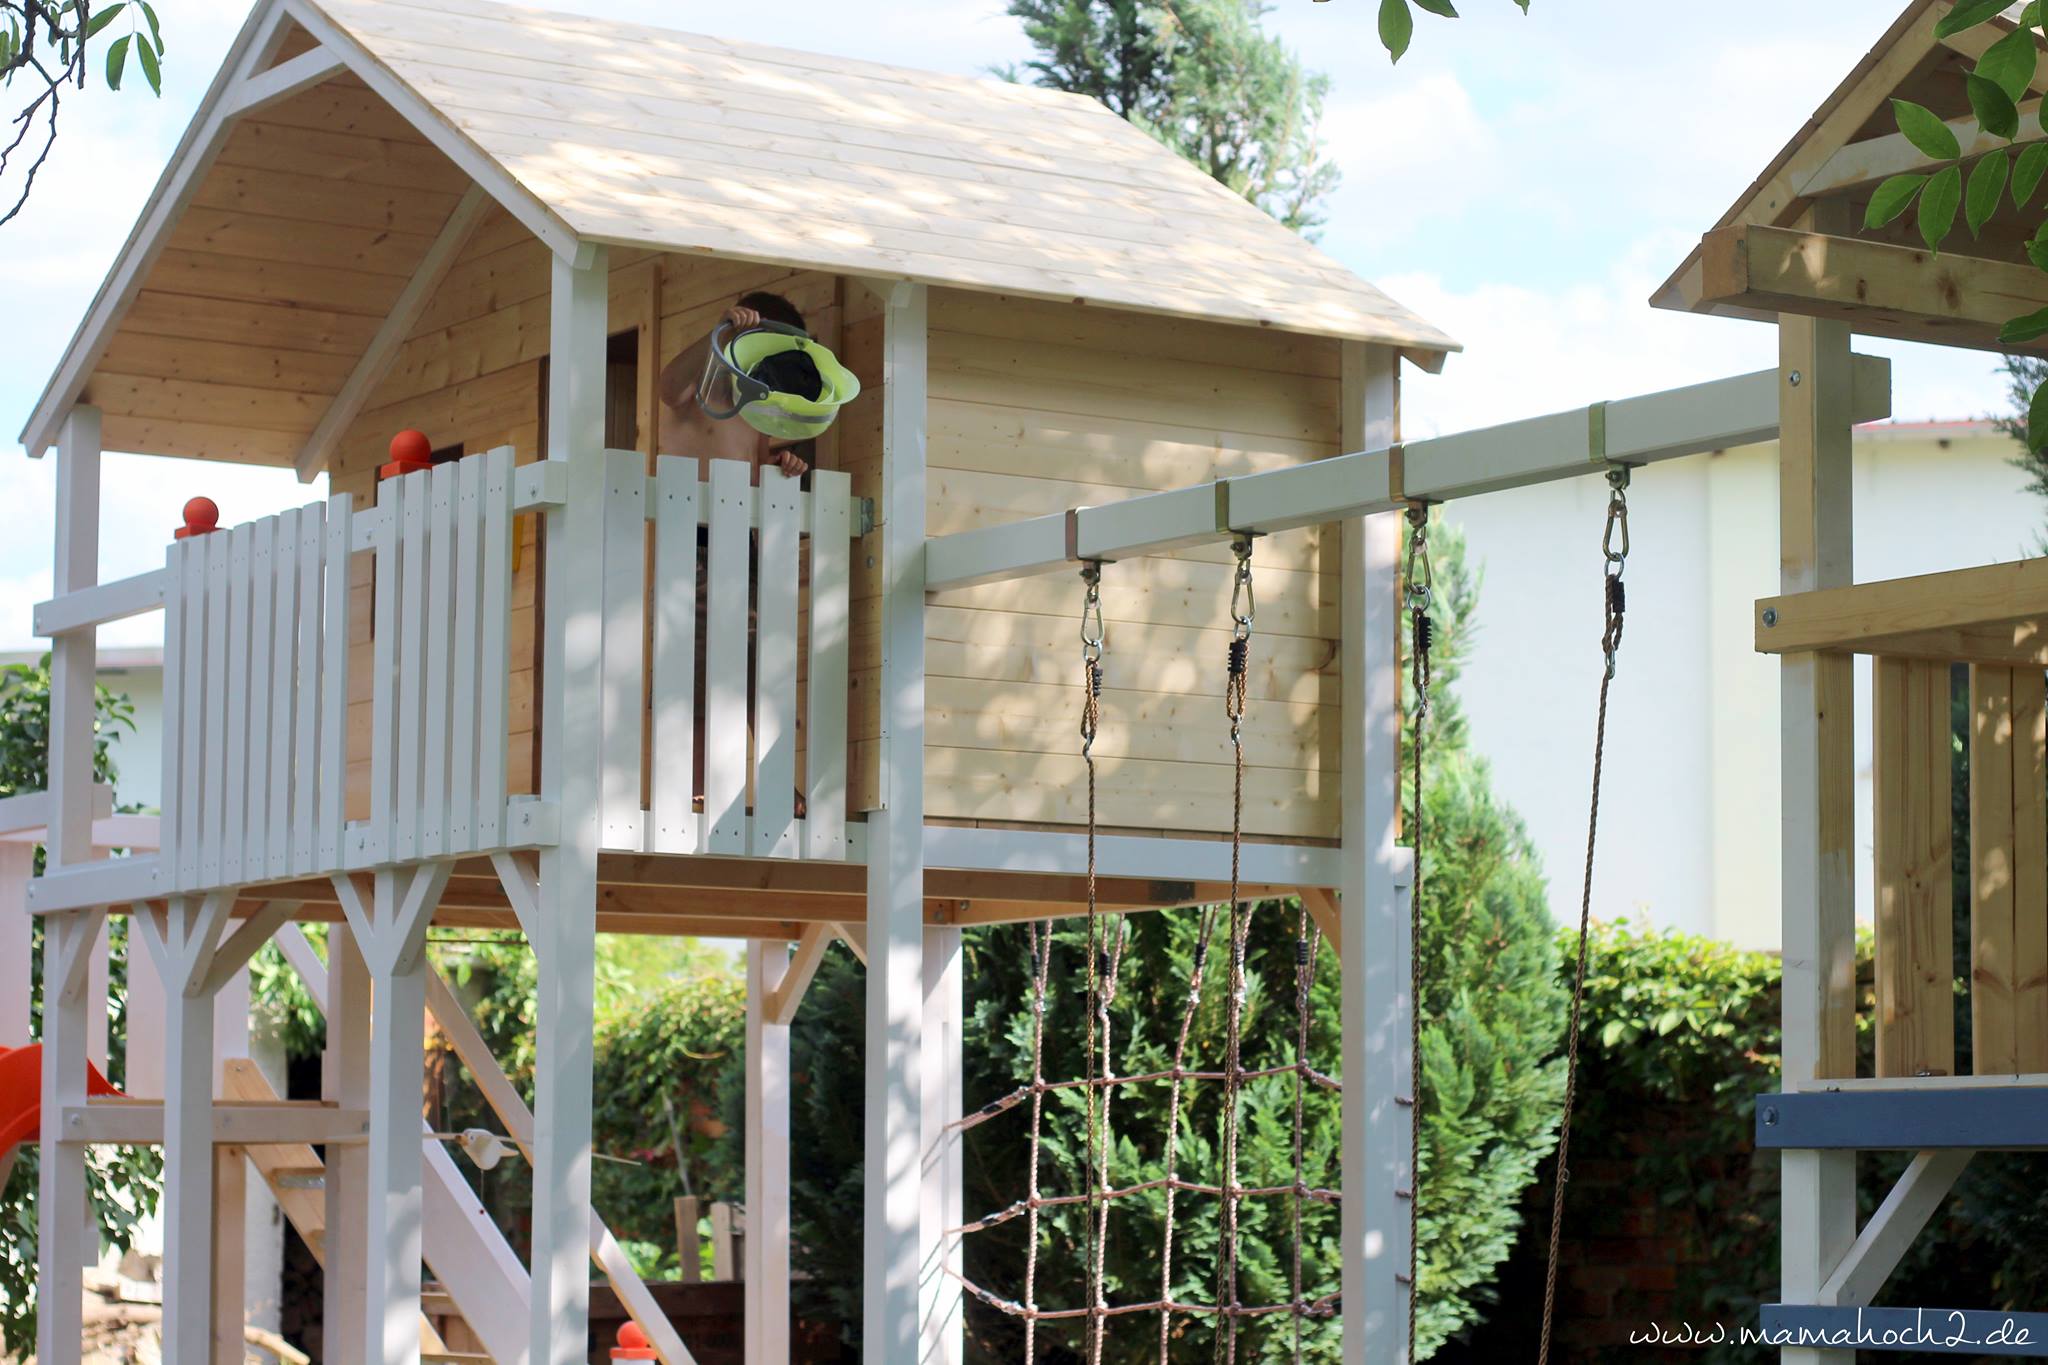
(941, 1303)
(767, 1156)
(2008, 871)
(61, 1213)
(1817, 699)
(229, 1213)
(1914, 953)
(1377, 1160)
(571, 778)
(345, 1081)
(895, 924)
(99, 964)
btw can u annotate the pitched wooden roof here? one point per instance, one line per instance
(342, 133)
(1794, 240)
(657, 138)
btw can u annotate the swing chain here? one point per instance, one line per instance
(1420, 595)
(1092, 636)
(1243, 609)
(1617, 561)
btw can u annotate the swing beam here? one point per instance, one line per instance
(1717, 415)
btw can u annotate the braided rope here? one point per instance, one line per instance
(1615, 599)
(1423, 635)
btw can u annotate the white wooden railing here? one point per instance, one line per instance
(783, 519)
(257, 676)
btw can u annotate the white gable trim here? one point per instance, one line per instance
(242, 86)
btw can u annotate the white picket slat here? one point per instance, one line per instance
(494, 664)
(214, 681)
(172, 770)
(620, 681)
(825, 732)
(775, 583)
(236, 684)
(192, 780)
(675, 654)
(403, 843)
(256, 795)
(306, 737)
(284, 560)
(439, 642)
(463, 698)
(725, 660)
(384, 663)
(333, 661)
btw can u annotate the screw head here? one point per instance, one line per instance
(1794, 378)
(1770, 616)
(1770, 1116)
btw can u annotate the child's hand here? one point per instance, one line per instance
(791, 464)
(742, 318)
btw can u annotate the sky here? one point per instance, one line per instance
(1523, 182)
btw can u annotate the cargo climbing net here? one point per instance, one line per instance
(1106, 941)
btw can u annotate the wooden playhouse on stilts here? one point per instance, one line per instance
(1794, 250)
(468, 694)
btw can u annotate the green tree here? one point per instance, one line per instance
(45, 49)
(1202, 76)
(123, 1184)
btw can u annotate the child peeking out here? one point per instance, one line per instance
(687, 429)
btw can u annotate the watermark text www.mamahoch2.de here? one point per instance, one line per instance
(1937, 1329)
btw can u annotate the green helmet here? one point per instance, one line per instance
(729, 389)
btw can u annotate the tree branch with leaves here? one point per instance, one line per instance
(1397, 21)
(44, 49)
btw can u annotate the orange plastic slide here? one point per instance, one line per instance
(21, 1094)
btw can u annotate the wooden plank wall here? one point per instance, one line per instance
(296, 244)
(2008, 871)
(1913, 820)
(1037, 407)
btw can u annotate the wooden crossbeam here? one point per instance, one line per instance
(1877, 158)
(1974, 606)
(1878, 289)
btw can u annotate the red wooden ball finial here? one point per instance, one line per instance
(411, 451)
(633, 1344)
(202, 515)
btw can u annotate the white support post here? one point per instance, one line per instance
(345, 1081)
(181, 939)
(392, 930)
(98, 979)
(17, 942)
(571, 777)
(1378, 1160)
(941, 1304)
(1818, 1219)
(73, 654)
(61, 1212)
(895, 924)
(767, 1247)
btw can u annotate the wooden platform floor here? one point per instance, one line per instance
(772, 899)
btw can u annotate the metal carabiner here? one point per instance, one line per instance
(1419, 574)
(1617, 517)
(1241, 592)
(1092, 631)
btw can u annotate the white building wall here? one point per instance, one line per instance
(1689, 831)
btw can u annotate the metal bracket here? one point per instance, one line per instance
(1596, 432)
(864, 517)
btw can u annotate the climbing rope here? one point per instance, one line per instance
(1614, 597)
(1102, 970)
(1422, 635)
(1243, 610)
